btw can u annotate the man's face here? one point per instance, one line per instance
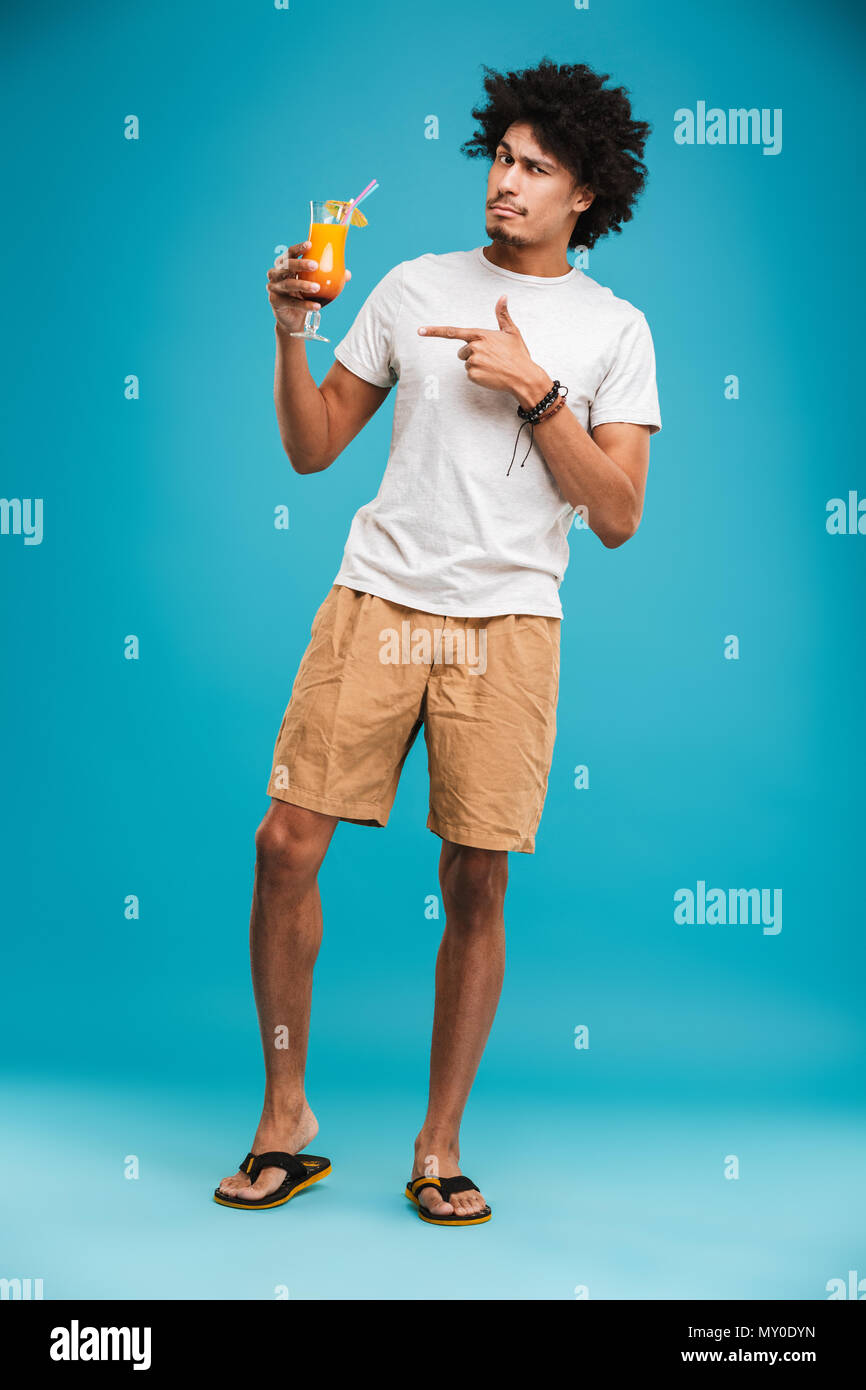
(536, 187)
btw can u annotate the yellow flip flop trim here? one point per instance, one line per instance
(462, 1221)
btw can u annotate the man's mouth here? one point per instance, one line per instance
(503, 210)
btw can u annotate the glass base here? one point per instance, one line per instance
(313, 337)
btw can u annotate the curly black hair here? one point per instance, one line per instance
(588, 128)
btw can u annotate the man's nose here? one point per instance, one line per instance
(510, 182)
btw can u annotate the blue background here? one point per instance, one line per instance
(605, 1167)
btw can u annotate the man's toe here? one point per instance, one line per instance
(434, 1203)
(236, 1183)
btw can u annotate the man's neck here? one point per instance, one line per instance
(546, 261)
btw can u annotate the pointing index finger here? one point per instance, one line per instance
(448, 331)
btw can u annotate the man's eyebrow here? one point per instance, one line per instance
(541, 161)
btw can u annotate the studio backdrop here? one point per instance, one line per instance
(675, 1071)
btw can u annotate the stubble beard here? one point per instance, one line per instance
(497, 232)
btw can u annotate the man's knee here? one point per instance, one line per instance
(473, 882)
(291, 841)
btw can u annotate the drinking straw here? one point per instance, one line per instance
(350, 206)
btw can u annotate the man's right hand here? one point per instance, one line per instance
(290, 298)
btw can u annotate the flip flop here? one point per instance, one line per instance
(301, 1171)
(446, 1186)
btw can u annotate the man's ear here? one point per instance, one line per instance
(583, 197)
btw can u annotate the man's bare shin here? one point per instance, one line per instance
(469, 971)
(285, 936)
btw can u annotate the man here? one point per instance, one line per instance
(463, 549)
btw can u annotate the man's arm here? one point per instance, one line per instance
(628, 445)
(604, 471)
(317, 422)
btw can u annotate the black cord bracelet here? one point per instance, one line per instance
(532, 416)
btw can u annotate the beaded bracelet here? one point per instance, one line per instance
(535, 411)
(552, 411)
(542, 411)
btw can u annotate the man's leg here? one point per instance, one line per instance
(285, 934)
(469, 972)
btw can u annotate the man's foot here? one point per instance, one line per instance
(446, 1166)
(290, 1136)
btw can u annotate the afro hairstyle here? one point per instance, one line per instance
(586, 127)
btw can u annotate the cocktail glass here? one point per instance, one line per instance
(328, 236)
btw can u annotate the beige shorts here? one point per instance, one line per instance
(375, 672)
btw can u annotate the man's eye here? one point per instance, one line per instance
(536, 168)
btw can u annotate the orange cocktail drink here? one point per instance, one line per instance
(329, 250)
(329, 222)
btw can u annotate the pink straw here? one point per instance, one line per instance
(350, 206)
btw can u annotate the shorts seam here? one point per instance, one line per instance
(310, 791)
(462, 825)
(442, 827)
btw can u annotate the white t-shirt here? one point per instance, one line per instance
(448, 532)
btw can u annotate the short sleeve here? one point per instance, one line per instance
(628, 391)
(367, 348)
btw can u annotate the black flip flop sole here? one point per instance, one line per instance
(274, 1199)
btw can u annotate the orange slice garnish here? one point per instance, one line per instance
(336, 208)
